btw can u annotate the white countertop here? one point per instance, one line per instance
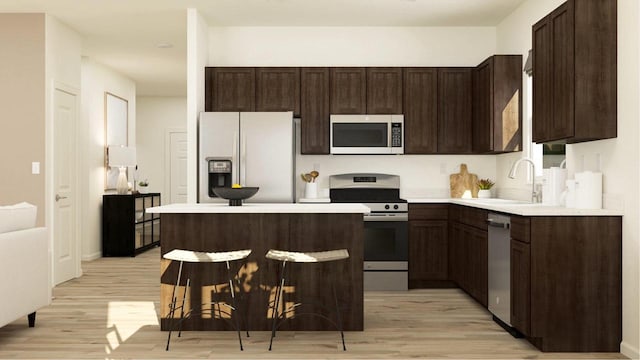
(519, 207)
(315, 200)
(321, 208)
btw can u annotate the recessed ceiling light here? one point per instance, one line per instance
(164, 45)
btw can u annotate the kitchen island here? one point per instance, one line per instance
(260, 227)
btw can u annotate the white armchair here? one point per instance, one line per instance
(24, 264)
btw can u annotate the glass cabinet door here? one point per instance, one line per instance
(139, 209)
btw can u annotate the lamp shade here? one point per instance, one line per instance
(122, 156)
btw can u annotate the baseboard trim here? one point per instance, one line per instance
(91, 257)
(629, 351)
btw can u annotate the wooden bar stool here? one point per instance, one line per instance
(203, 257)
(278, 317)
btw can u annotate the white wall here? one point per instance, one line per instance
(350, 46)
(421, 175)
(620, 184)
(96, 80)
(197, 59)
(63, 47)
(22, 128)
(156, 115)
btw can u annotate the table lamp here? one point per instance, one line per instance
(122, 157)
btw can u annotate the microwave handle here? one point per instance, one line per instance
(389, 133)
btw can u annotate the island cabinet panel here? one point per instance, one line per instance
(278, 89)
(314, 110)
(454, 110)
(428, 246)
(258, 276)
(576, 283)
(230, 89)
(575, 73)
(497, 105)
(384, 90)
(348, 90)
(420, 95)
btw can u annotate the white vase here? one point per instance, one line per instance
(484, 194)
(143, 189)
(311, 190)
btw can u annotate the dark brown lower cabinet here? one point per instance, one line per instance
(429, 246)
(468, 260)
(428, 254)
(566, 289)
(566, 271)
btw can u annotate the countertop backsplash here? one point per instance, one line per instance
(420, 175)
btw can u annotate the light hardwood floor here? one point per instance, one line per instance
(111, 313)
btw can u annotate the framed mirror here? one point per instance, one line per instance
(116, 124)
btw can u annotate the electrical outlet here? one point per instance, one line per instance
(443, 168)
(35, 168)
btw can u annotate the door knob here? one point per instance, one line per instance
(58, 197)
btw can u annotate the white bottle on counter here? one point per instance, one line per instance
(588, 191)
(553, 185)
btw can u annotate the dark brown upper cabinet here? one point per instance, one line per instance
(575, 73)
(314, 110)
(497, 105)
(348, 90)
(384, 90)
(278, 89)
(420, 95)
(454, 110)
(230, 89)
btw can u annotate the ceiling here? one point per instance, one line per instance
(124, 34)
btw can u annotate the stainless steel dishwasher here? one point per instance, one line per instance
(500, 268)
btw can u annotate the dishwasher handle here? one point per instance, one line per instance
(498, 224)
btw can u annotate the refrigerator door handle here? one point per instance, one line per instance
(234, 159)
(243, 160)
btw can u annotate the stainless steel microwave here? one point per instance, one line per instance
(367, 134)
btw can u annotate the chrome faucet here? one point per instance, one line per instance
(514, 170)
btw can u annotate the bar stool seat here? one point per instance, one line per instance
(307, 257)
(203, 257)
(302, 257)
(199, 256)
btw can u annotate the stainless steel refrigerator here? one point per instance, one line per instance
(247, 148)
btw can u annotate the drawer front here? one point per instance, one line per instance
(521, 228)
(428, 212)
(475, 217)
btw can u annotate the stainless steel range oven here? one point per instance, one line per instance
(386, 242)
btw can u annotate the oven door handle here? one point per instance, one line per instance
(386, 217)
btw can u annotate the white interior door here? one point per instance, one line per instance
(178, 167)
(66, 259)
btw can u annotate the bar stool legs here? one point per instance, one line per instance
(286, 256)
(202, 257)
(172, 306)
(335, 298)
(276, 304)
(233, 303)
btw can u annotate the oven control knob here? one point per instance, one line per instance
(395, 207)
(386, 207)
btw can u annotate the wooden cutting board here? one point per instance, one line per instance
(463, 181)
